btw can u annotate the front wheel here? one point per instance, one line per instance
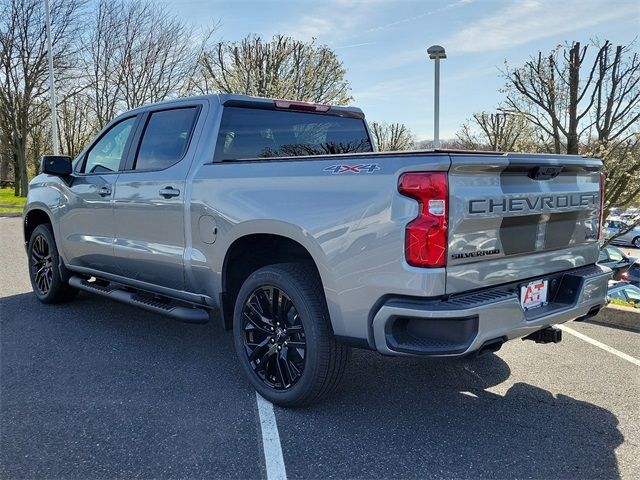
(636, 242)
(283, 337)
(44, 272)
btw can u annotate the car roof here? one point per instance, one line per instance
(622, 285)
(237, 99)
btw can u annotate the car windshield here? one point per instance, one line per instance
(615, 254)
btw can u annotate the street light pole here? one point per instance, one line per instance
(52, 91)
(436, 52)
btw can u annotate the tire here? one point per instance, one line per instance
(636, 242)
(44, 271)
(297, 361)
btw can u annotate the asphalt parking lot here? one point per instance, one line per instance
(96, 389)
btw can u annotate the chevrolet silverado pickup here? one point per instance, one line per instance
(280, 219)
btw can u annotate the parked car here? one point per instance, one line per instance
(625, 292)
(280, 215)
(613, 226)
(632, 275)
(630, 214)
(616, 260)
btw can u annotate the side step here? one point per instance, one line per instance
(143, 300)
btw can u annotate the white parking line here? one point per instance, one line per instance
(273, 458)
(601, 345)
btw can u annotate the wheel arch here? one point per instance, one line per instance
(255, 249)
(32, 218)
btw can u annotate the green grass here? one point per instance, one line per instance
(10, 203)
(617, 301)
(7, 199)
(10, 210)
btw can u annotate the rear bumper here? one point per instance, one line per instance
(462, 324)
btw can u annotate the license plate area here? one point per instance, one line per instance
(534, 294)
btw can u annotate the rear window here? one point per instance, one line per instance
(165, 138)
(254, 133)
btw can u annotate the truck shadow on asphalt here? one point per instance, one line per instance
(405, 418)
(97, 389)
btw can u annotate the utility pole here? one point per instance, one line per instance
(436, 52)
(52, 91)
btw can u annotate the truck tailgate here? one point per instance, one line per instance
(520, 216)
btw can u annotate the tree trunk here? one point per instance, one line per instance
(4, 168)
(16, 175)
(574, 83)
(22, 179)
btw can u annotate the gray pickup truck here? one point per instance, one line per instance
(280, 217)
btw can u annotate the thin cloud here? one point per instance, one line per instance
(379, 28)
(525, 22)
(312, 27)
(354, 45)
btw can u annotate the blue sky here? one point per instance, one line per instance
(383, 44)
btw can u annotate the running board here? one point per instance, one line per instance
(143, 300)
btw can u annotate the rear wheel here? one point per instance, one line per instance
(283, 337)
(44, 273)
(636, 242)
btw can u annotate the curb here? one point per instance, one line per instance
(10, 214)
(618, 316)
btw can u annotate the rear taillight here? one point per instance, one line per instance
(625, 276)
(426, 236)
(602, 181)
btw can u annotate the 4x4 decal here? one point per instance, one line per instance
(368, 168)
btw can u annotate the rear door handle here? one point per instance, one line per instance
(168, 192)
(104, 191)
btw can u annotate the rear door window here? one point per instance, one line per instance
(165, 138)
(255, 133)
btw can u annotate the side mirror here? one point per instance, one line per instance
(59, 165)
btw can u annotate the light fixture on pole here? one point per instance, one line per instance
(52, 91)
(436, 52)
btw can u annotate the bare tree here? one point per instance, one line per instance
(136, 53)
(157, 54)
(5, 159)
(281, 68)
(551, 85)
(501, 132)
(101, 60)
(75, 123)
(585, 106)
(392, 136)
(23, 69)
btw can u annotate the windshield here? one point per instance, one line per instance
(255, 133)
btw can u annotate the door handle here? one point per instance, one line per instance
(168, 192)
(104, 191)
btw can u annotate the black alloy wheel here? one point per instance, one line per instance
(41, 264)
(283, 337)
(47, 272)
(274, 337)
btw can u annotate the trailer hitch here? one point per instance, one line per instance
(546, 335)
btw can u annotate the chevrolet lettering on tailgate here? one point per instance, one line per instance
(545, 203)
